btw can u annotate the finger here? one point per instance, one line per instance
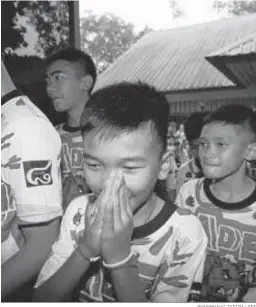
(127, 202)
(100, 211)
(118, 201)
(123, 211)
(108, 223)
(89, 214)
(115, 184)
(107, 186)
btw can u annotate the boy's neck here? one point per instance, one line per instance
(74, 115)
(148, 211)
(233, 188)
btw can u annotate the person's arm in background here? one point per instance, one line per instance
(27, 262)
(38, 201)
(35, 182)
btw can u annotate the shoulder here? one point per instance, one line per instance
(22, 115)
(76, 206)
(186, 224)
(191, 185)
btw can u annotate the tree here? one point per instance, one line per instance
(11, 37)
(49, 18)
(106, 37)
(235, 7)
(143, 32)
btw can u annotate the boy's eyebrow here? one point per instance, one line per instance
(217, 138)
(89, 156)
(127, 159)
(56, 72)
(132, 159)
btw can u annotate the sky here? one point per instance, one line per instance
(155, 14)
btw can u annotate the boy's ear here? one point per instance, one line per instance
(87, 82)
(165, 165)
(251, 152)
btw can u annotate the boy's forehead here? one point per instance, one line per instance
(142, 137)
(62, 65)
(222, 129)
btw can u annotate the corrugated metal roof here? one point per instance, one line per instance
(237, 61)
(245, 46)
(175, 59)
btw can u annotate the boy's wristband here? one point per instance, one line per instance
(83, 253)
(119, 264)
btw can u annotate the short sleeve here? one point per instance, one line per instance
(64, 247)
(184, 262)
(32, 170)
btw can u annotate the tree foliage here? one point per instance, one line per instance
(235, 7)
(50, 19)
(106, 37)
(11, 37)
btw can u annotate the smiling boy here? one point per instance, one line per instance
(149, 250)
(225, 202)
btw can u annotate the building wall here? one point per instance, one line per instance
(183, 104)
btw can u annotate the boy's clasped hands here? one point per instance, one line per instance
(109, 225)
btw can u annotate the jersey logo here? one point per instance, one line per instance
(38, 173)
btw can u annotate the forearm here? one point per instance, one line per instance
(60, 286)
(127, 285)
(22, 267)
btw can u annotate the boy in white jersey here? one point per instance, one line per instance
(148, 250)
(70, 77)
(30, 190)
(225, 202)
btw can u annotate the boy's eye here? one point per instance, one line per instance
(202, 144)
(58, 77)
(54, 78)
(131, 168)
(220, 144)
(93, 165)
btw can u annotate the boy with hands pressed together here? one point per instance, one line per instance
(124, 243)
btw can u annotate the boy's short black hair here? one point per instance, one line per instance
(72, 54)
(193, 125)
(234, 114)
(125, 107)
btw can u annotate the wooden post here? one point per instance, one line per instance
(74, 24)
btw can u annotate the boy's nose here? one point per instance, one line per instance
(210, 154)
(109, 176)
(50, 88)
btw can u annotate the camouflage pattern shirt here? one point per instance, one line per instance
(230, 267)
(72, 163)
(170, 251)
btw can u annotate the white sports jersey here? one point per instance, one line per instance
(230, 269)
(30, 170)
(170, 251)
